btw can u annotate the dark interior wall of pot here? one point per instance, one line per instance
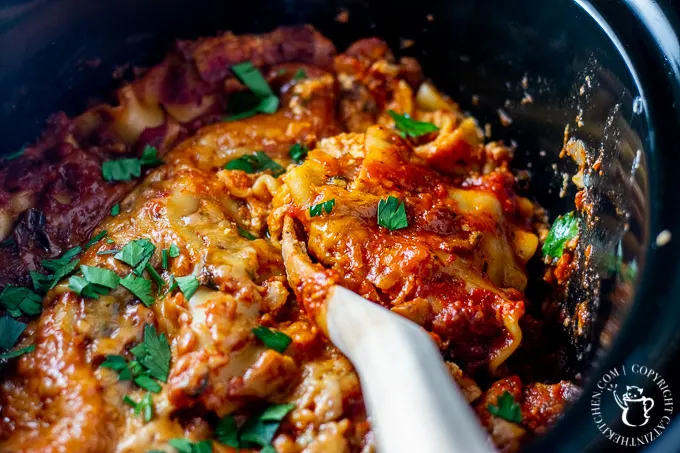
(61, 54)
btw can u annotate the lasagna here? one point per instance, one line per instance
(151, 299)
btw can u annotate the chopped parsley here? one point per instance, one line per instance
(101, 235)
(41, 283)
(318, 209)
(137, 254)
(564, 229)
(118, 364)
(140, 287)
(55, 265)
(164, 258)
(256, 162)
(121, 169)
(188, 285)
(246, 234)
(409, 127)
(17, 352)
(300, 74)
(10, 331)
(145, 406)
(100, 276)
(154, 353)
(129, 167)
(186, 446)
(260, 99)
(59, 268)
(298, 153)
(95, 281)
(155, 276)
(258, 430)
(147, 383)
(20, 301)
(150, 157)
(273, 339)
(115, 210)
(152, 361)
(15, 154)
(506, 408)
(392, 214)
(174, 251)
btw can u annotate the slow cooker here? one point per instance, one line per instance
(607, 70)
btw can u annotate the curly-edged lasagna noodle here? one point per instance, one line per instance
(458, 269)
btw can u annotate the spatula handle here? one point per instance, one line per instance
(414, 404)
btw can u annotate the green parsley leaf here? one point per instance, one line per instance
(15, 154)
(300, 74)
(10, 331)
(95, 281)
(409, 127)
(260, 430)
(246, 234)
(318, 209)
(17, 352)
(118, 364)
(155, 276)
(150, 156)
(251, 77)
(392, 214)
(262, 100)
(115, 210)
(81, 286)
(18, 300)
(273, 339)
(227, 432)
(41, 283)
(137, 254)
(154, 354)
(188, 285)
(102, 234)
(298, 153)
(182, 445)
(145, 406)
(506, 408)
(267, 105)
(100, 276)
(564, 229)
(256, 162)
(277, 412)
(121, 169)
(140, 287)
(147, 383)
(174, 251)
(185, 446)
(60, 268)
(55, 265)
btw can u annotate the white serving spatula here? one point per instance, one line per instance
(413, 403)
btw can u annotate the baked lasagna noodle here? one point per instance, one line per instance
(458, 269)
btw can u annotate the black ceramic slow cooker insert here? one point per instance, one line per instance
(612, 65)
